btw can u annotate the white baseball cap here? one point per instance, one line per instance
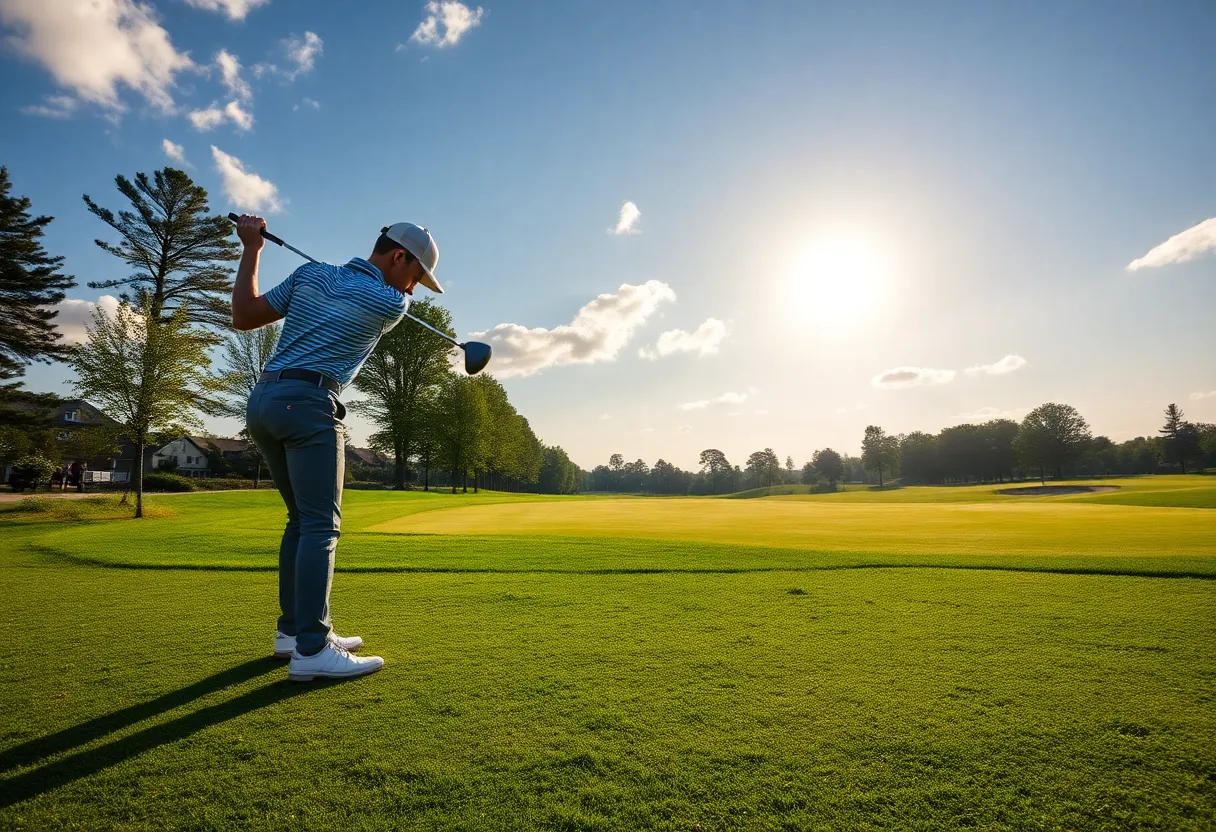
(417, 241)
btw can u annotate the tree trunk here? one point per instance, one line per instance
(138, 473)
(477, 478)
(464, 481)
(398, 466)
(453, 480)
(1042, 476)
(426, 473)
(880, 476)
(257, 477)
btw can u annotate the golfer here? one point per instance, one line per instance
(333, 318)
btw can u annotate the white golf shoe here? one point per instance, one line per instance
(333, 662)
(285, 645)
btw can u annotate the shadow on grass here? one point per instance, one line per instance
(1117, 572)
(67, 770)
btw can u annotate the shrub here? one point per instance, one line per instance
(167, 482)
(30, 471)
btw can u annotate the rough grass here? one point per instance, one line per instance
(527, 689)
(67, 510)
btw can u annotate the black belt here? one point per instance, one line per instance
(311, 376)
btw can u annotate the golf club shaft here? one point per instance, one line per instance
(279, 241)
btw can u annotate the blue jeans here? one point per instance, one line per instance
(295, 426)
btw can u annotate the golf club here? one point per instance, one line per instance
(476, 354)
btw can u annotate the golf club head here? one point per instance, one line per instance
(476, 357)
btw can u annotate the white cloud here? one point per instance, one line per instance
(302, 52)
(307, 102)
(445, 23)
(647, 430)
(604, 417)
(1211, 394)
(234, 9)
(207, 119)
(627, 223)
(93, 47)
(725, 398)
(230, 73)
(213, 116)
(75, 314)
(684, 429)
(900, 378)
(987, 414)
(1184, 246)
(243, 119)
(174, 151)
(55, 106)
(597, 334)
(1006, 365)
(247, 190)
(763, 411)
(704, 341)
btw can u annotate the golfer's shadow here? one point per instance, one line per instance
(61, 772)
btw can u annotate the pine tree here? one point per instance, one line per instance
(1181, 437)
(30, 286)
(176, 246)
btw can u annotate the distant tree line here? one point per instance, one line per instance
(1053, 440)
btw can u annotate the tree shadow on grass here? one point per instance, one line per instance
(64, 771)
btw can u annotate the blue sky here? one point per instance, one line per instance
(909, 215)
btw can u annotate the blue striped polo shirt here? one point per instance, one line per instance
(333, 317)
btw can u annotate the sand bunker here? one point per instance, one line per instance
(1055, 490)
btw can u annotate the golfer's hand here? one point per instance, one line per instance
(249, 229)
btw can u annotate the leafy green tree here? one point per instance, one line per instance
(30, 286)
(810, 476)
(763, 468)
(829, 465)
(1101, 457)
(1207, 443)
(960, 452)
(25, 423)
(459, 426)
(666, 478)
(879, 452)
(402, 375)
(175, 245)
(148, 374)
(1050, 437)
(997, 458)
(558, 475)
(714, 463)
(918, 458)
(1182, 439)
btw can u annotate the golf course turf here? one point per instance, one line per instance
(916, 658)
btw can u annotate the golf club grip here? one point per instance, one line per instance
(233, 216)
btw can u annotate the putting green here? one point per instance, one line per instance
(1013, 528)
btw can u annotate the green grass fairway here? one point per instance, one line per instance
(623, 664)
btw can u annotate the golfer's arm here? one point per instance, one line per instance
(249, 309)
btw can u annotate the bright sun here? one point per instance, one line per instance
(837, 278)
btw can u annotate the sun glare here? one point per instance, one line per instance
(837, 278)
